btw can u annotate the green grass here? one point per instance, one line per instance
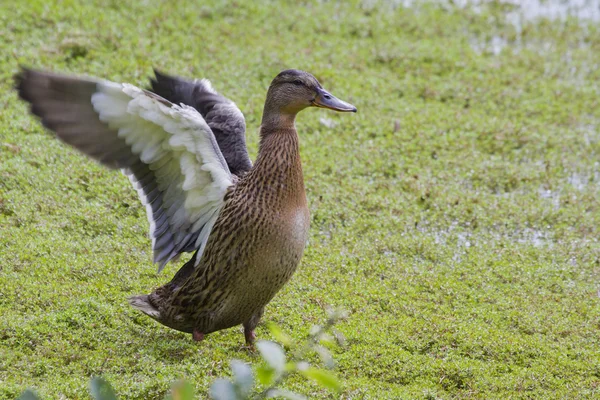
(456, 216)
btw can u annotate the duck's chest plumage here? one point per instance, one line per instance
(266, 253)
(254, 248)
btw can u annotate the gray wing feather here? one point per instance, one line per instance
(64, 106)
(221, 114)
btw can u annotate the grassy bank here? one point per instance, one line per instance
(455, 216)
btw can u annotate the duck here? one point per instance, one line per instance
(183, 147)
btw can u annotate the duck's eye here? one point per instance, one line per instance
(297, 83)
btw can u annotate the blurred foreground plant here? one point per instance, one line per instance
(276, 367)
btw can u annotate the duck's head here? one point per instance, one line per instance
(293, 90)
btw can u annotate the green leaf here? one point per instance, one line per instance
(325, 355)
(265, 374)
(323, 378)
(315, 330)
(279, 334)
(273, 354)
(290, 366)
(326, 339)
(336, 315)
(339, 337)
(243, 377)
(101, 390)
(302, 365)
(182, 391)
(28, 395)
(286, 394)
(222, 389)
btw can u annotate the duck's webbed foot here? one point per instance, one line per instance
(250, 325)
(197, 336)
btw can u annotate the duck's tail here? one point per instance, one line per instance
(143, 303)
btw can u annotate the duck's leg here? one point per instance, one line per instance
(197, 336)
(250, 336)
(250, 325)
(202, 325)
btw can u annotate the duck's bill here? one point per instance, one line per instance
(325, 99)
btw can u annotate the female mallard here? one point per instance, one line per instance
(183, 148)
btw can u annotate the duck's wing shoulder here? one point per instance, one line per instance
(222, 115)
(168, 151)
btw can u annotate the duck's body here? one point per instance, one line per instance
(248, 225)
(267, 209)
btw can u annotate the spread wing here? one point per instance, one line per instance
(222, 115)
(168, 151)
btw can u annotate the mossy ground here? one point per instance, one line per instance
(456, 216)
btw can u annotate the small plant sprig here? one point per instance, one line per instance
(271, 374)
(277, 368)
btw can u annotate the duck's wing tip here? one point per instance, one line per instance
(169, 152)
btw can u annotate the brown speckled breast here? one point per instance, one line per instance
(255, 245)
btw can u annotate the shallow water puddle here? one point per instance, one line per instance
(528, 10)
(558, 9)
(517, 13)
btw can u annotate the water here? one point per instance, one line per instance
(557, 9)
(529, 10)
(520, 12)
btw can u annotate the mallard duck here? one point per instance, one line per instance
(183, 147)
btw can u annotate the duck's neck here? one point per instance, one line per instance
(274, 120)
(278, 169)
